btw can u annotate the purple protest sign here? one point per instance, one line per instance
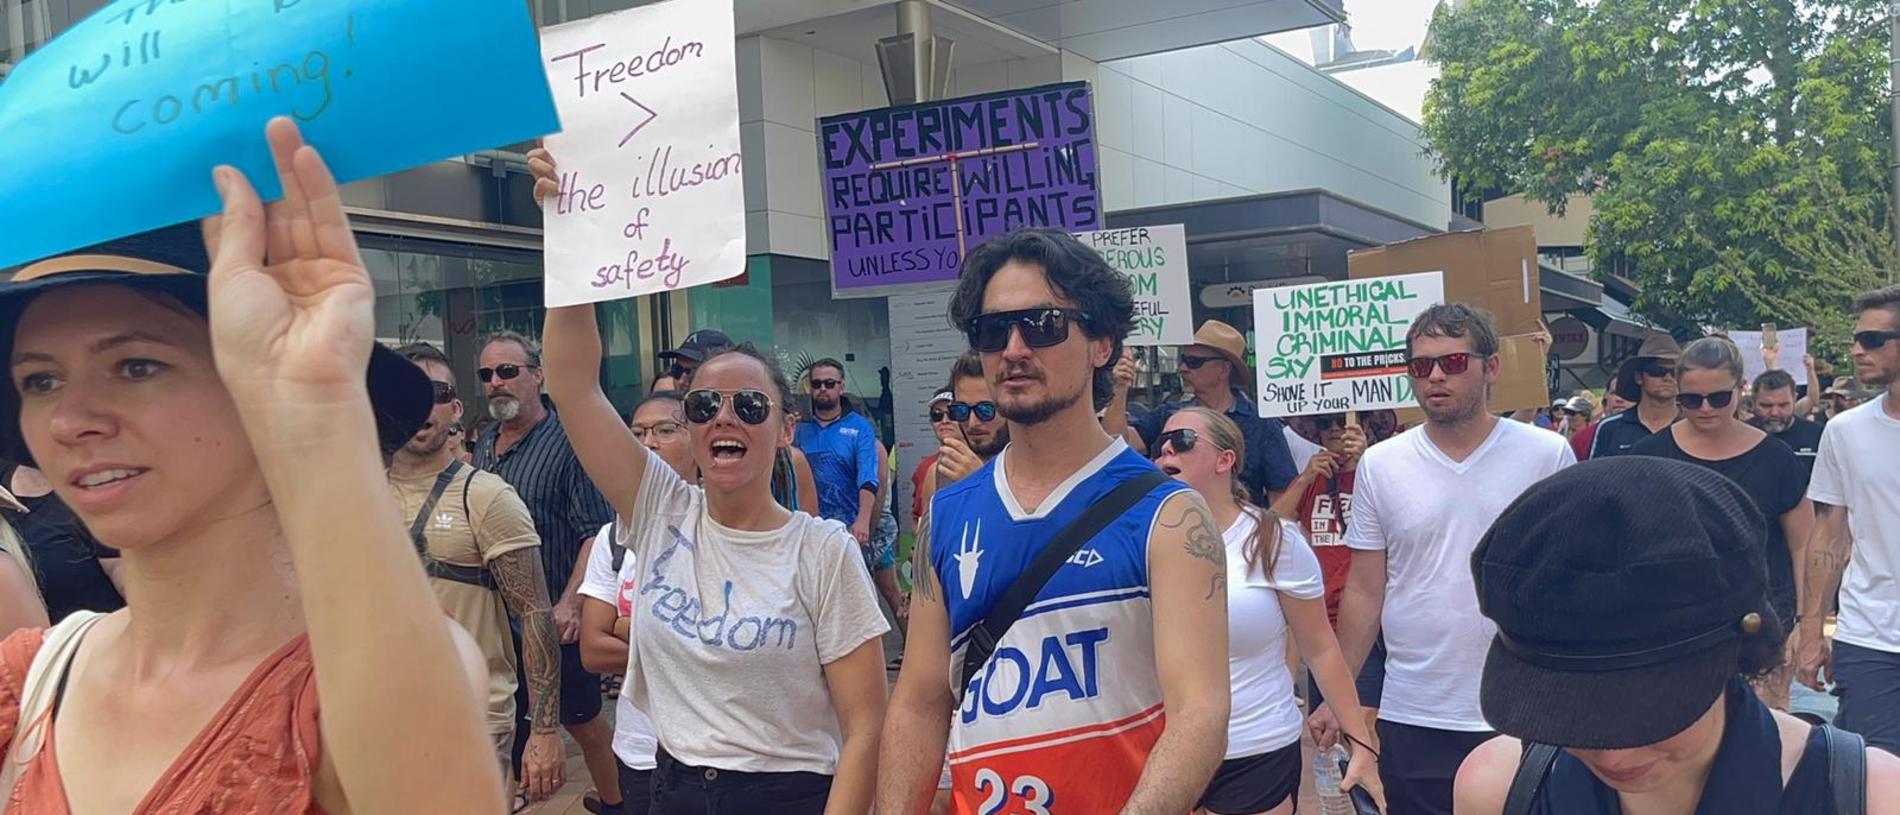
(907, 188)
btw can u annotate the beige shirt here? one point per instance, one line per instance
(495, 522)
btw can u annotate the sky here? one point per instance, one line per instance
(1379, 24)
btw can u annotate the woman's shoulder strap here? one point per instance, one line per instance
(1529, 781)
(1846, 770)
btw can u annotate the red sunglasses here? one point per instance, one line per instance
(1451, 364)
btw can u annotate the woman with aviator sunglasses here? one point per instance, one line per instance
(1274, 587)
(755, 642)
(1711, 435)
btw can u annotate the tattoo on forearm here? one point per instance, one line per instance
(920, 568)
(523, 588)
(1829, 550)
(1204, 543)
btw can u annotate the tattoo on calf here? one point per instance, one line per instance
(1203, 542)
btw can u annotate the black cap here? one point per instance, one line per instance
(400, 394)
(1622, 589)
(700, 344)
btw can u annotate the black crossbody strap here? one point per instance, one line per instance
(416, 527)
(1847, 770)
(1531, 770)
(1010, 606)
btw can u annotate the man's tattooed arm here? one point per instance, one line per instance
(1196, 524)
(525, 591)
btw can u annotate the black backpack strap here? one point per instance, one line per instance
(1846, 770)
(470, 575)
(1010, 606)
(416, 527)
(613, 540)
(1529, 781)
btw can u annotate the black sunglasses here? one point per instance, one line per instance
(1180, 441)
(1875, 340)
(939, 415)
(826, 384)
(1451, 364)
(960, 411)
(1655, 368)
(1693, 401)
(444, 392)
(506, 372)
(751, 406)
(1325, 423)
(679, 371)
(1040, 327)
(1195, 363)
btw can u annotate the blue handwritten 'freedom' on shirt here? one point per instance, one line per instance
(681, 609)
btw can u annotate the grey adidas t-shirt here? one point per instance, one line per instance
(732, 630)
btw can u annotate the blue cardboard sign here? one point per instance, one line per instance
(114, 126)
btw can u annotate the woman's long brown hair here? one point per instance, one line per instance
(1264, 551)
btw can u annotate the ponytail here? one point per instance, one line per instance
(1263, 552)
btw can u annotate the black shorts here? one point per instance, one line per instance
(636, 789)
(1254, 783)
(580, 689)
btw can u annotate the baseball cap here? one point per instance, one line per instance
(1623, 590)
(400, 394)
(700, 344)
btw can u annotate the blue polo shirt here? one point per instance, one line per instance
(843, 456)
(1269, 464)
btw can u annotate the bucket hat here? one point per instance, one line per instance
(1657, 346)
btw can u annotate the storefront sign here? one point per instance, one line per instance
(909, 189)
(1154, 259)
(113, 128)
(1335, 347)
(1787, 353)
(1569, 338)
(651, 198)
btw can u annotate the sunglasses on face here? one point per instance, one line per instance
(1325, 423)
(1451, 364)
(1195, 363)
(961, 411)
(1180, 442)
(1717, 400)
(1875, 340)
(506, 372)
(1040, 327)
(939, 415)
(826, 384)
(1657, 370)
(751, 406)
(444, 392)
(680, 371)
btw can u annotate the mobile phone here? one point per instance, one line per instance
(1362, 803)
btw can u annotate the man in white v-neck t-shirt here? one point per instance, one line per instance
(1421, 503)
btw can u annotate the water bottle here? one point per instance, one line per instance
(1326, 774)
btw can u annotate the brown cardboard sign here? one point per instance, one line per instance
(1495, 269)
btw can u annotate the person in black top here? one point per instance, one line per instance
(1631, 602)
(1649, 380)
(68, 564)
(1710, 435)
(1214, 370)
(1775, 415)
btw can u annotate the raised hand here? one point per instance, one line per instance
(547, 184)
(291, 305)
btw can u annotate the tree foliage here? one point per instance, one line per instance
(1735, 150)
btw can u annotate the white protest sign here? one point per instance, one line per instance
(1154, 259)
(1792, 349)
(651, 197)
(1335, 347)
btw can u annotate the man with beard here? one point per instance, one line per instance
(479, 547)
(981, 431)
(1649, 380)
(1856, 495)
(1070, 704)
(527, 447)
(1775, 415)
(1421, 503)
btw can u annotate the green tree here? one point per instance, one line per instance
(1735, 150)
